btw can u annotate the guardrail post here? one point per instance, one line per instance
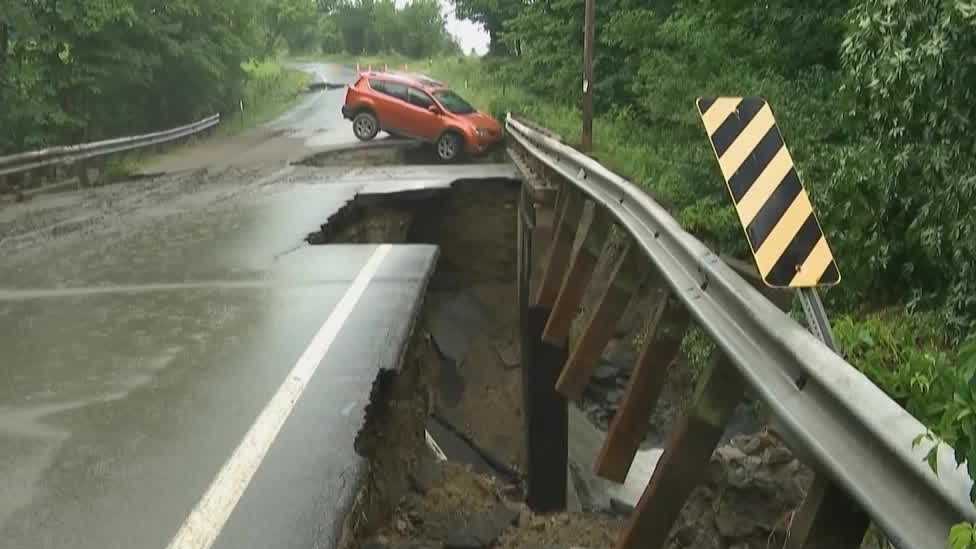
(666, 328)
(81, 166)
(546, 412)
(560, 248)
(590, 233)
(686, 457)
(827, 519)
(610, 304)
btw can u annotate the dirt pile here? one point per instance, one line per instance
(753, 486)
(454, 508)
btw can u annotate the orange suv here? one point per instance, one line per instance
(421, 108)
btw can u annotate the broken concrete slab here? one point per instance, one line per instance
(456, 323)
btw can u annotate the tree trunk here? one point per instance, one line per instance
(4, 43)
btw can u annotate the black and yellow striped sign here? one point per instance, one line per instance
(775, 211)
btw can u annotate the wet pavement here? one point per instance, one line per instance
(317, 120)
(314, 124)
(133, 366)
(141, 352)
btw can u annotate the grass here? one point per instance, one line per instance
(270, 90)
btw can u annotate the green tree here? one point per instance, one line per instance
(424, 31)
(289, 19)
(912, 71)
(493, 15)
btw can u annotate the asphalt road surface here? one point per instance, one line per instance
(179, 369)
(313, 124)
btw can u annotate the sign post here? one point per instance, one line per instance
(791, 252)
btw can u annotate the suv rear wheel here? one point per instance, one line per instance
(449, 146)
(365, 126)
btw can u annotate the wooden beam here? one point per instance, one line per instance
(665, 331)
(685, 460)
(827, 519)
(599, 329)
(559, 249)
(590, 235)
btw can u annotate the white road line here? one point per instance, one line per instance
(212, 511)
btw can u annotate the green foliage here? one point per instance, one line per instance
(962, 536)
(902, 352)
(77, 70)
(873, 96)
(268, 90)
(907, 355)
(912, 72)
(697, 348)
(292, 20)
(378, 26)
(493, 15)
(81, 70)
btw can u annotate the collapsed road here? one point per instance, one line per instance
(181, 369)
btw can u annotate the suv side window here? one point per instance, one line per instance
(420, 99)
(397, 90)
(393, 89)
(378, 85)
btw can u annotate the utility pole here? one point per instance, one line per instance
(586, 140)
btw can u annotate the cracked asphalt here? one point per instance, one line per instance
(179, 369)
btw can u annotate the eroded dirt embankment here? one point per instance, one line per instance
(461, 383)
(463, 371)
(469, 315)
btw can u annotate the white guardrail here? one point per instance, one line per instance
(23, 162)
(839, 421)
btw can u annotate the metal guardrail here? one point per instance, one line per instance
(838, 422)
(24, 162)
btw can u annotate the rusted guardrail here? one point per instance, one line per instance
(77, 154)
(859, 442)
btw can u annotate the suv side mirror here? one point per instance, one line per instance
(434, 109)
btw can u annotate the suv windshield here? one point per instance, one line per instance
(453, 102)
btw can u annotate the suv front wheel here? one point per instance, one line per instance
(449, 147)
(365, 126)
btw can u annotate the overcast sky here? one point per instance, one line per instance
(469, 34)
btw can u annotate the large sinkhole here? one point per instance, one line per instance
(469, 317)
